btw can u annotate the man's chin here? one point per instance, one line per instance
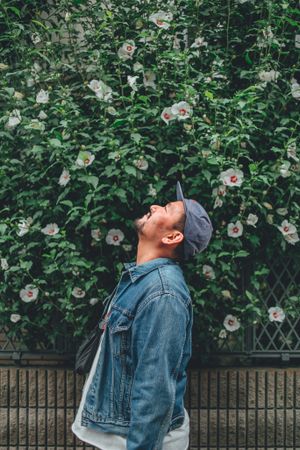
(139, 224)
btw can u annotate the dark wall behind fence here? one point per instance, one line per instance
(229, 408)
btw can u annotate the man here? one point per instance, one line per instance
(134, 396)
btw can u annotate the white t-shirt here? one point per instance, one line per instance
(177, 439)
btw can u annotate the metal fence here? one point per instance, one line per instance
(263, 343)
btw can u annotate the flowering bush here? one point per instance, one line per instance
(104, 106)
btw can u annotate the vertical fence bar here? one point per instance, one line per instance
(55, 408)
(266, 410)
(247, 406)
(27, 409)
(36, 409)
(218, 409)
(8, 409)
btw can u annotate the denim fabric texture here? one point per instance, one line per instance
(139, 383)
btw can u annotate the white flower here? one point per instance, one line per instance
(137, 67)
(102, 91)
(24, 226)
(232, 177)
(68, 16)
(149, 78)
(231, 323)
(295, 89)
(223, 334)
(226, 293)
(111, 110)
(218, 202)
(42, 115)
(292, 238)
(64, 177)
(151, 190)
(30, 82)
(35, 37)
(29, 294)
(42, 96)
(4, 264)
(18, 95)
(50, 229)
(182, 110)
(291, 151)
(35, 125)
(96, 234)
(132, 82)
(220, 190)
(199, 42)
(284, 169)
(126, 51)
(94, 300)
(289, 232)
(297, 40)
(208, 272)
(270, 218)
(235, 229)
(141, 163)
(84, 159)
(127, 247)
(161, 19)
(267, 76)
(268, 33)
(167, 115)
(114, 237)
(267, 205)
(276, 314)
(36, 67)
(3, 66)
(15, 317)
(287, 228)
(78, 293)
(14, 119)
(282, 211)
(252, 219)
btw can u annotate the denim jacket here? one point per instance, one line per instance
(140, 380)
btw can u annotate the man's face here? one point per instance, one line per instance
(159, 221)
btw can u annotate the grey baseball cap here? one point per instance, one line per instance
(197, 229)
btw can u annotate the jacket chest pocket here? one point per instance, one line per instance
(119, 324)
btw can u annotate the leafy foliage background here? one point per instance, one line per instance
(238, 121)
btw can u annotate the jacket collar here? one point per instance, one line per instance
(137, 270)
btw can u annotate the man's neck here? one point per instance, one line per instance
(146, 253)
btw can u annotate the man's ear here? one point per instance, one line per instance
(173, 238)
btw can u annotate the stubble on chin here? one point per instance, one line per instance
(139, 225)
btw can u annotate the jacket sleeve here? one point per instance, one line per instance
(158, 336)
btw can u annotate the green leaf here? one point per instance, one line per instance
(40, 24)
(209, 95)
(212, 161)
(67, 203)
(26, 265)
(130, 170)
(117, 123)
(241, 253)
(248, 59)
(91, 179)
(55, 142)
(3, 228)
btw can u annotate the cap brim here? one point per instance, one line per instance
(179, 195)
(179, 192)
